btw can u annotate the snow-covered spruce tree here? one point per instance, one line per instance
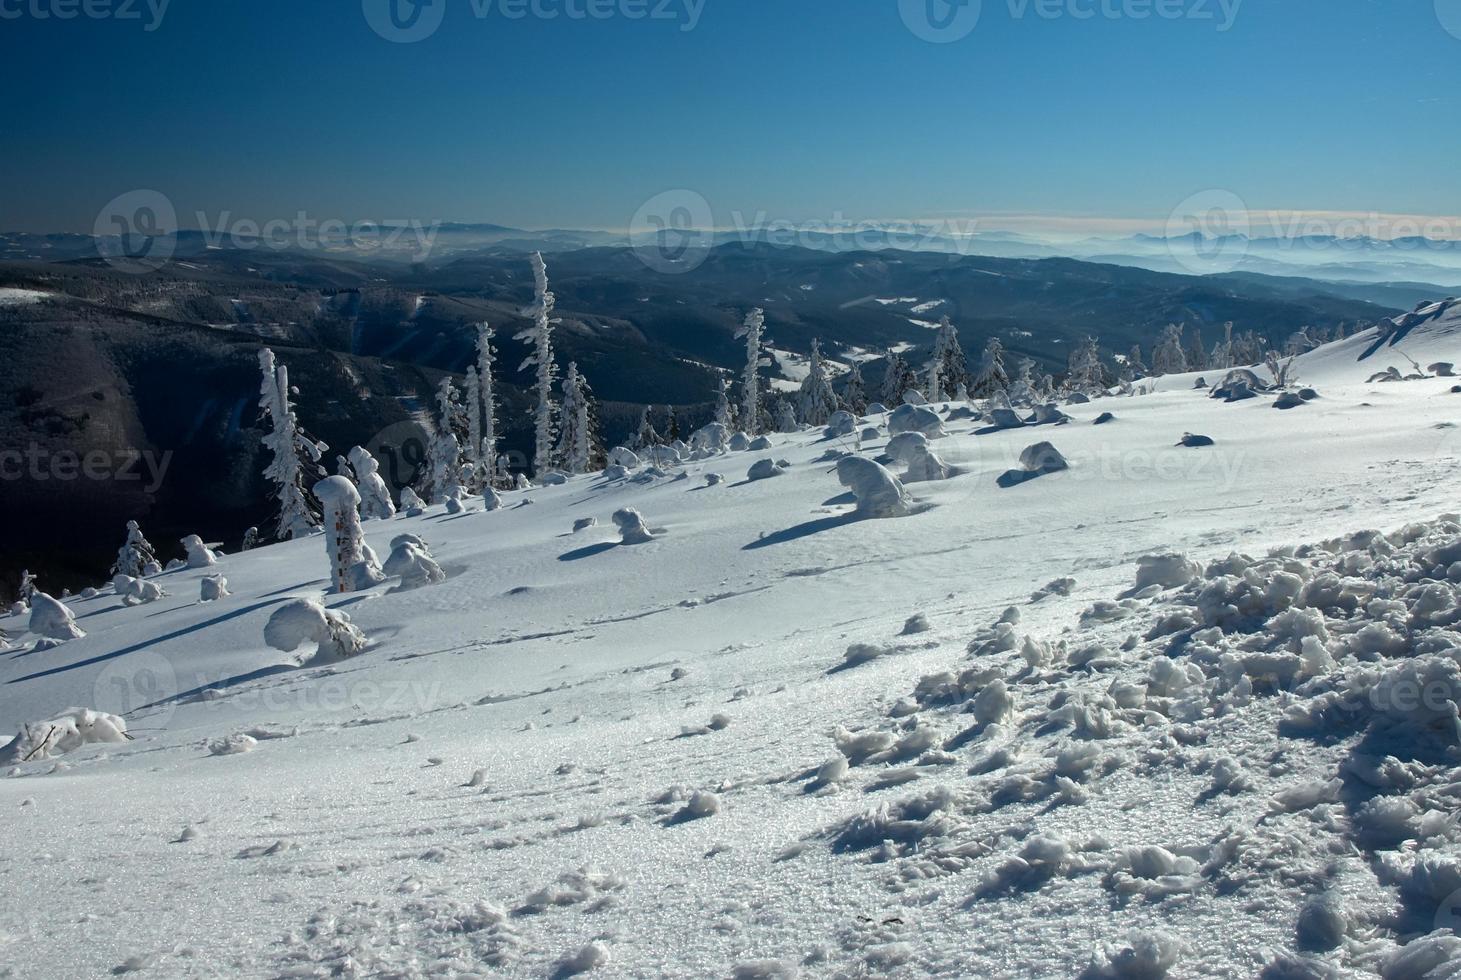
(540, 335)
(342, 468)
(135, 555)
(575, 438)
(751, 330)
(1168, 357)
(898, 380)
(479, 471)
(1135, 364)
(375, 496)
(672, 426)
(1087, 374)
(854, 392)
(1248, 349)
(645, 436)
(485, 408)
(816, 401)
(948, 369)
(295, 467)
(725, 412)
(250, 540)
(444, 456)
(353, 566)
(785, 416)
(1222, 352)
(992, 376)
(27, 586)
(1197, 355)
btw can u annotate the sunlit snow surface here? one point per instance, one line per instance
(576, 755)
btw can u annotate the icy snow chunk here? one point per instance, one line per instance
(306, 621)
(700, 804)
(136, 591)
(233, 745)
(714, 479)
(994, 704)
(632, 529)
(831, 772)
(926, 467)
(905, 445)
(590, 957)
(1150, 956)
(1322, 923)
(1192, 441)
(52, 618)
(1427, 958)
(917, 623)
(858, 746)
(411, 561)
(840, 425)
(1060, 586)
(760, 444)
(711, 438)
(1169, 570)
(908, 821)
(861, 653)
(878, 492)
(584, 523)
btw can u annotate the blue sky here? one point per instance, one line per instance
(801, 109)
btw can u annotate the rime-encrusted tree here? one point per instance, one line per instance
(342, 468)
(725, 412)
(646, 436)
(1248, 349)
(751, 330)
(816, 401)
(1087, 374)
(786, 416)
(672, 425)
(898, 380)
(1197, 354)
(472, 394)
(540, 335)
(1135, 364)
(992, 376)
(948, 369)
(443, 478)
(375, 496)
(135, 555)
(353, 566)
(295, 466)
(485, 407)
(854, 392)
(1168, 356)
(575, 439)
(1222, 352)
(1298, 343)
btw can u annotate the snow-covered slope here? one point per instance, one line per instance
(724, 751)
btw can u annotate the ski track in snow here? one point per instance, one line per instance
(624, 761)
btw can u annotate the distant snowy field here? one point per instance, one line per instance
(723, 753)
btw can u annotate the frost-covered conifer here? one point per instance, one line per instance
(725, 413)
(816, 401)
(353, 566)
(540, 335)
(854, 391)
(295, 466)
(646, 436)
(751, 380)
(947, 369)
(992, 376)
(575, 442)
(898, 380)
(375, 496)
(136, 555)
(1168, 357)
(785, 416)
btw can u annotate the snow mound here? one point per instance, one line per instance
(66, 732)
(304, 621)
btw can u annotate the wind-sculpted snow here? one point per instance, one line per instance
(1166, 712)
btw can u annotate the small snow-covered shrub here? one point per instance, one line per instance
(840, 425)
(905, 445)
(304, 621)
(375, 496)
(632, 529)
(136, 591)
(620, 456)
(710, 438)
(411, 562)
(763, 469)
(66, 732)
(199, 554)
(52, 618)
(926, 467)
(915, 418)
(878, 492)
(213, 588)
(1042, 457)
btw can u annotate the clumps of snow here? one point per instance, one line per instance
(411, 503)
(1103, 418)
(1289, 399)
(632, 529)
(412, 563)
(233, 745)
(620, 456)
(830, 773)
(590, 957)
(53, 619)
(1038, 460)
(1322, 923)
(1169, 571)
(915, 418)
(901, 826)
(581, 887)
(1149, 955)
(700, 805)
(760, 444)
(917, 623)
(1192, 441)
(303, 621)
(763, 469)
(903, 447)
(878, 492)
(925, 466)
(66, 732)
(199, 554)
(841, 425)
(584, 523)
(136, 591)
(862, 653)
(212, 588)
(1060, 587)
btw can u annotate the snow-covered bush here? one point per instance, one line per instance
(915, 418)
(303, 621)
(66, 732)
(353, 566)
(763, 469)
(136, 591)
(925, 466)
(199, 554)
(295, 465)
(632, 529)
(878, 492)
(619, 456)
(136, 557)
(213, 588)
(51, 618)
(841, 425)
(411, 561)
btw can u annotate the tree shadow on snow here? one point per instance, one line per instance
(578, 554)
(802, 530)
